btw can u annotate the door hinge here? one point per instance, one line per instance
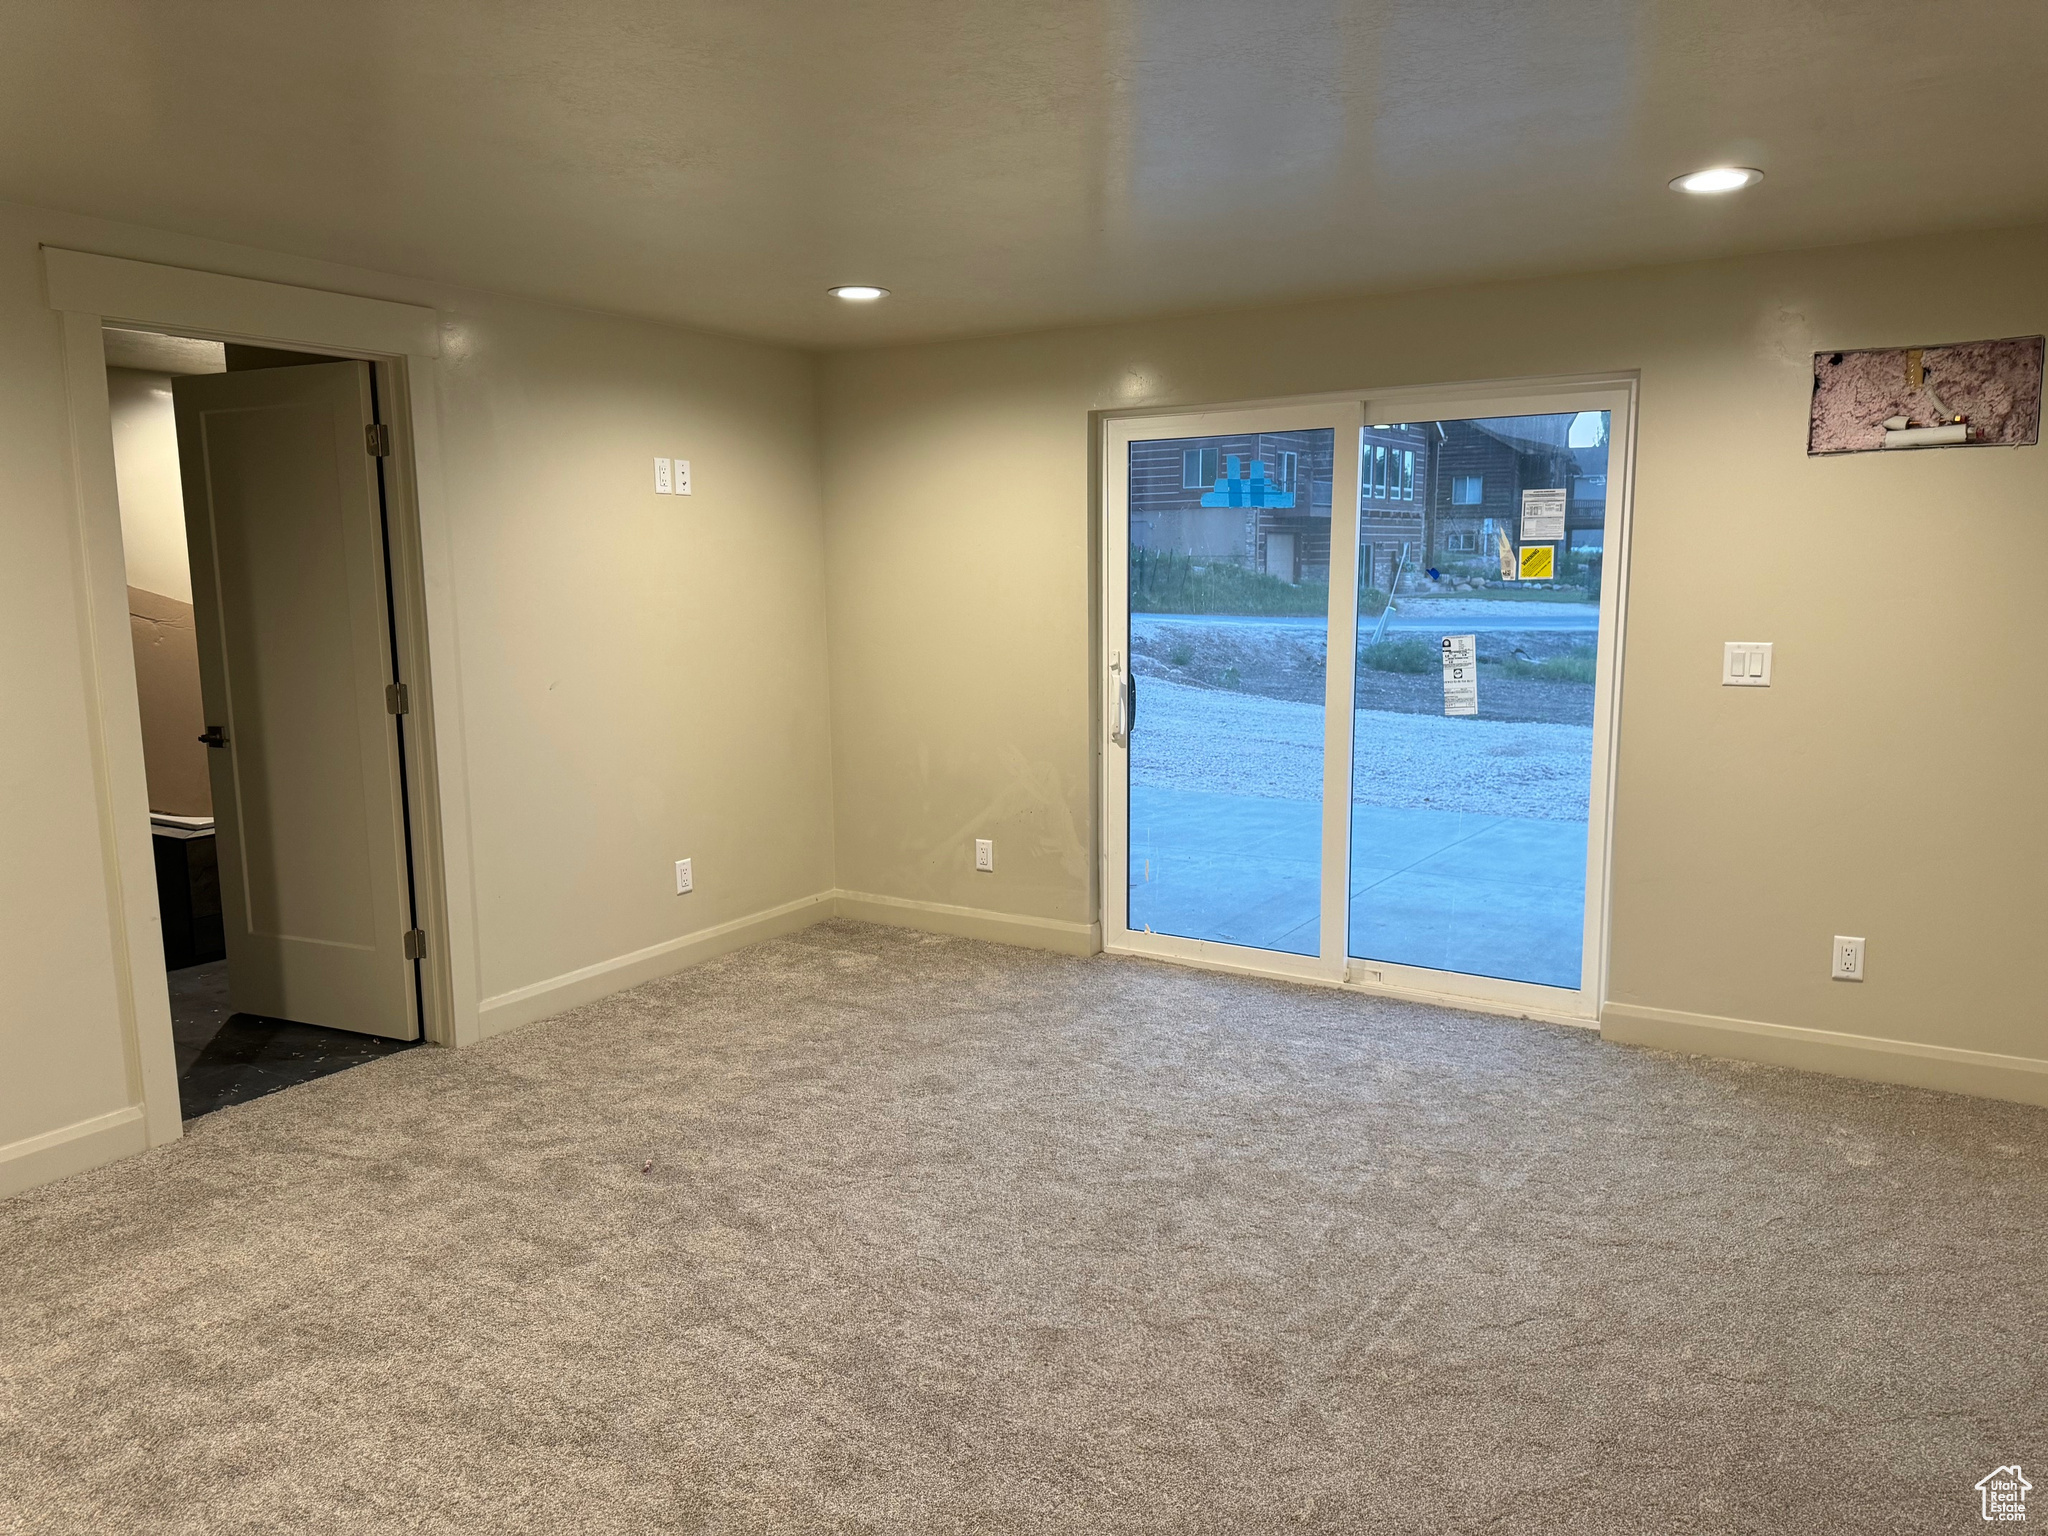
(416, 944)
(398, 699)
(377, 438)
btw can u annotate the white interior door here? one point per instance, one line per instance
(285, 526)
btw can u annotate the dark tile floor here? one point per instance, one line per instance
(227, 1058)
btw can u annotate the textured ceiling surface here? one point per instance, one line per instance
(1010, 164)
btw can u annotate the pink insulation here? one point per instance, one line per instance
(1993, 385)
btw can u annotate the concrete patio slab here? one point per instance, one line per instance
(1499, 896)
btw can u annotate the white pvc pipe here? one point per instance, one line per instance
(1927, 437)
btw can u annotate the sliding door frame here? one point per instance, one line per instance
(1614, 393)
(1345, 420)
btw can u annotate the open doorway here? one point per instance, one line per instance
(270, 680)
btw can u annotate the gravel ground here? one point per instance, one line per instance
(1501, 699)
(1234, 743)
(1418, 607)
(1288, 663)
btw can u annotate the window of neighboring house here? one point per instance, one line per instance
(1467, 490)
(1288, 462)
(1379, 471)
(1407, 474)
(1464, 542)
(1199, 468)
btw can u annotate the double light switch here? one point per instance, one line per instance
(1746, 664)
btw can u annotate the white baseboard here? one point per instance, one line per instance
(558, 994)
(72, 1149)
(2022, 1079)
(1066, 938)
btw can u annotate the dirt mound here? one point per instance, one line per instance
(1277, 661)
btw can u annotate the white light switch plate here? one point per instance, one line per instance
(985, 855)
(682, 477)
(662, 477)
(685, 883)
(1746, 664)
(1848, 959)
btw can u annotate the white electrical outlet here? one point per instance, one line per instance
(1746, 664)
(664, 479)
(1848, 959)
(985, 855)
(682, 480)
(685, 882)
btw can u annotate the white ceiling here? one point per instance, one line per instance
(1009, 164)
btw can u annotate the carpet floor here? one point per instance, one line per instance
(865, 1230)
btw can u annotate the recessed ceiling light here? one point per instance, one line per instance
(858, 293)
(1718, 178)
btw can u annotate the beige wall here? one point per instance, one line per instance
(166, 642)
(146, 467)
(1888, 784)
(641, 677)
(159, 589)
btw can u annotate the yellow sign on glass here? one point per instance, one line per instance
(1539, 562)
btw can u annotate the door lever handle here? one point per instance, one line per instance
(215, 736)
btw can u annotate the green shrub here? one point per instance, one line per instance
(1231, 679)
(1170, 583)
(1406, 654)
(1180, 655)
(1580, 568)
(1575, 666)
(1162, 582)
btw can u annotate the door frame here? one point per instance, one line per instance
(1615, 393)
(402, 343)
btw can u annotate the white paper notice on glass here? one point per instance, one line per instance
(1542, 517)
(1461, 675)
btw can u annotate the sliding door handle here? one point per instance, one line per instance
(215, 736)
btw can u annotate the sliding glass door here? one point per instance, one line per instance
(1226, 594)
(1422, 804)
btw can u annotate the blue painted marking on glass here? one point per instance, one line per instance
(1251, 489)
